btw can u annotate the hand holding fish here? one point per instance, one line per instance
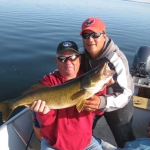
(40, 106)
(92, 103)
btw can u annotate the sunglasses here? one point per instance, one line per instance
(71, 58)
(93, 35)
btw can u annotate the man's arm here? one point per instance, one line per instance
(118, 94)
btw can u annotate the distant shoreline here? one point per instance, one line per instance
(139, 1)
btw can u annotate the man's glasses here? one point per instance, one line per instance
(93, 35)
(71, 58)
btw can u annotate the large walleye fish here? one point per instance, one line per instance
(71, 93)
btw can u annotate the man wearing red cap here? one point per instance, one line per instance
(117, 103)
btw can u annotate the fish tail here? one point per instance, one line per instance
(5, 108)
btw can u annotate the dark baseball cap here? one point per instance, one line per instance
(67, 45)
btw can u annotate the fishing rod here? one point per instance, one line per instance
(29, 140)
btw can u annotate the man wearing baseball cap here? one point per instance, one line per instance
(66, 129)
(117, 103)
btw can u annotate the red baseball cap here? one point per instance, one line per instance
(93, 24)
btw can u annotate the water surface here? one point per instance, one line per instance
(31, 30)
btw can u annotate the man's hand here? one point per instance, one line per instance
(40, 106)
(92, 103)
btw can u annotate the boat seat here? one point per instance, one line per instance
(141, 102)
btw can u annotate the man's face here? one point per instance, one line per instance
(93, 45)
(68, 68)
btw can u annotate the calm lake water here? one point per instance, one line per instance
(31, 30)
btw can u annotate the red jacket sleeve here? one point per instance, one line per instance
(48, 118)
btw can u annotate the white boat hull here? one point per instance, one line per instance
(16, 132)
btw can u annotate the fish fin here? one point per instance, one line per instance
(79, 106)
(5, 108)
(27, 105)
(78, 94)
(33, 87)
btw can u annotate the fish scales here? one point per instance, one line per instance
(53, 96)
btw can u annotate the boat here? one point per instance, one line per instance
(17, 133)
